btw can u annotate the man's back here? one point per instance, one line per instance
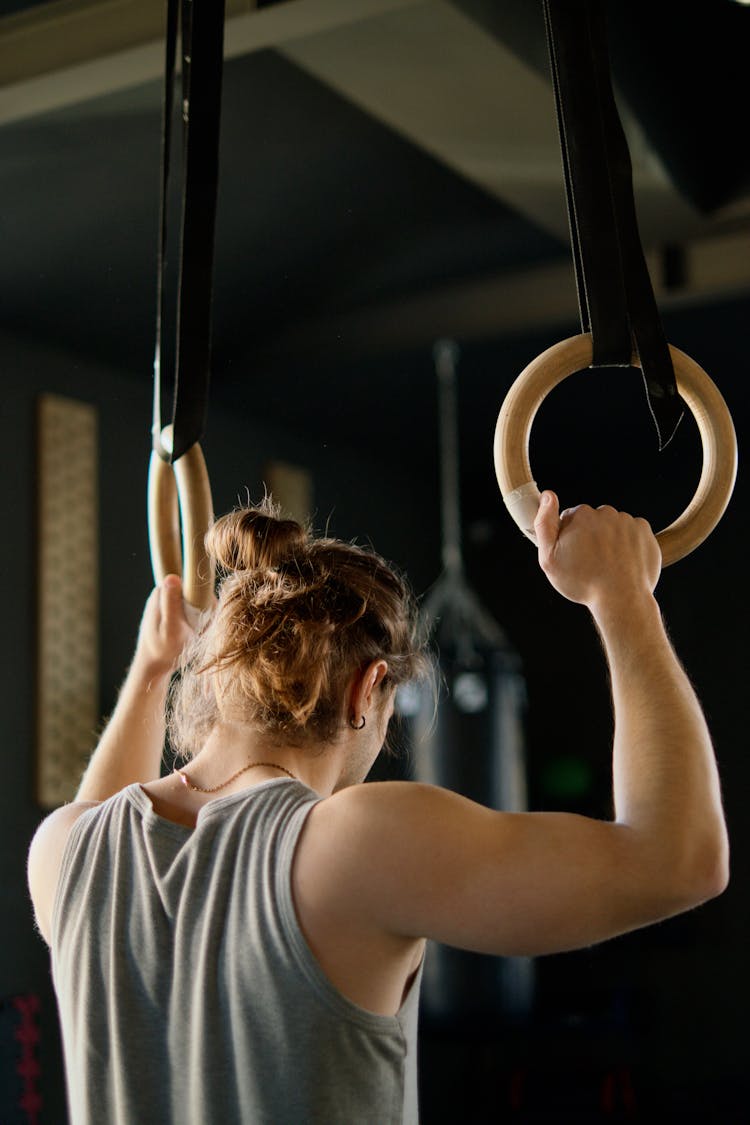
(187, 990)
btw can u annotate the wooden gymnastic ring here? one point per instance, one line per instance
(180, 512)
(702, 397)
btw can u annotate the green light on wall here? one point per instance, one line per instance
(567, 777)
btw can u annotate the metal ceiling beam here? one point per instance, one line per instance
(425, 68)
(73, 51)
(54, 37)
(443, 80)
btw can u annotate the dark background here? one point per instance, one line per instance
(341, 242)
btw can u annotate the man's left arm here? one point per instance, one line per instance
(132, 744)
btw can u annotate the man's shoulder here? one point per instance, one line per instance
(379, 818)
(45, 857)
(379, 800)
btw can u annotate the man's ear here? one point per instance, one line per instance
(365, 684)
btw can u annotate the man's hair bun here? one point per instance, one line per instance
(255, 539)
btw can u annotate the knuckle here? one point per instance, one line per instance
(576, 510)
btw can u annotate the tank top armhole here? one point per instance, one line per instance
(303, 956)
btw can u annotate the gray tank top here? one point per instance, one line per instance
(187, 992)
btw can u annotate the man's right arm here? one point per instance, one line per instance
(665, 780)
(417, 861)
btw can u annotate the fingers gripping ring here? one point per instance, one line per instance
(180, 512)
(702, 398)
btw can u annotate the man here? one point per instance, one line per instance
(376, 869)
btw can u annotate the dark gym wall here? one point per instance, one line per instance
(668, 1003)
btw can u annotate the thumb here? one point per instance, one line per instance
(172, 589)
(547, 523)
(171, 599)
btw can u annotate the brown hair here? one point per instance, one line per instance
(296, 617)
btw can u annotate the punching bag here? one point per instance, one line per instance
(473, 743)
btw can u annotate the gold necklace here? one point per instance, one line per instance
(215, 788)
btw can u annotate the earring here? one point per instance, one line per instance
(356, 726)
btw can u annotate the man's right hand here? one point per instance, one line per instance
(596, 556)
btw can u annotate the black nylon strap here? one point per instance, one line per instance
(615, 297)
(202, 58)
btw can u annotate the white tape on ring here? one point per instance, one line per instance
(523, 505)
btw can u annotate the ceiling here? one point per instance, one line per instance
(389, 173)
